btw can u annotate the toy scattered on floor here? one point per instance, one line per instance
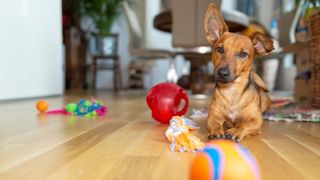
(42, 106)
(87, 108)
(199, 113)
(224, 159)
(164, 100)
(180, 137)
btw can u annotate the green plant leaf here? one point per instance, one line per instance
(102, 12)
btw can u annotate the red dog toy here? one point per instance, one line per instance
(164, 100)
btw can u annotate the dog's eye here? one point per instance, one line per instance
(243, 54)
(220, 49)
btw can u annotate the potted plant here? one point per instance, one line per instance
(310, 6)
(103, 13)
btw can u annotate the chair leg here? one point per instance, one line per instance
(119, 76)
(172, 73)
(115, 86)
(115, 75)
(119, 80)
(94, 75)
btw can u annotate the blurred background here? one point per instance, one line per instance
(53, 46)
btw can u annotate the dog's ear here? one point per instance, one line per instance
(261, 43)
(214, 24)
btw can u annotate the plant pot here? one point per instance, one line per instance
(106, 45)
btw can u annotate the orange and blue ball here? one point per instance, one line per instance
(224, 160)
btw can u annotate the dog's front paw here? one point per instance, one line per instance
(233, 138)
(233, 135)
(215, 132)
(213, 136)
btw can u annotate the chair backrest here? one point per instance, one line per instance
(182, 36)
(134, 26)
(202, 6)
(187, 22)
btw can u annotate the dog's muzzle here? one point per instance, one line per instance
(224, 75)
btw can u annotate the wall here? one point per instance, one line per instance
(31, 60)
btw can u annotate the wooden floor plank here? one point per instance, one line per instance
(55, 158)
(101, 156)
(272, 165)
(25, 146)
(301, 158)
(309, 142)
(134, 168)
(310, 128)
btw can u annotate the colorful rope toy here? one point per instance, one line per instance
(86, 108)
(178, 133)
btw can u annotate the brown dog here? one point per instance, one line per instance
(239, 97)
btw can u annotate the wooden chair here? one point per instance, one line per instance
(108, 62)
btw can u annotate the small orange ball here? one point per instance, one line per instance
(42, 106)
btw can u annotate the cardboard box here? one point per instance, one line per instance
(301, 52)
(303, 61)
(303, 90)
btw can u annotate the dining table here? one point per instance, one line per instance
(163, 22)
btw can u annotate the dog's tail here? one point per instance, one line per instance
(262, 89)
(258, 82)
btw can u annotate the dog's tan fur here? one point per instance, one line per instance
(240, 98)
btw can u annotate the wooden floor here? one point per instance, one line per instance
(128, 144)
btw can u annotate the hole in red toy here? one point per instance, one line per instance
(181, 105)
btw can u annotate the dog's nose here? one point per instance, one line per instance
(224, 72)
